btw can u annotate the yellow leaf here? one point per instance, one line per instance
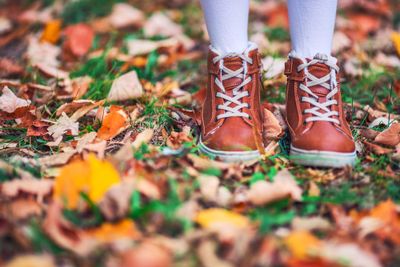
(109, 232)
(301, 243)
(93, 177)
(211, 217)
(396, 41)
(103, 176)
(52, 31)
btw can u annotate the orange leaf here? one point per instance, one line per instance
(113, 123)
(301, 243)
(396, 41)
(52, 31)
(109, 232)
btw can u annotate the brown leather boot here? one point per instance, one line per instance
(231, 119)
(319, 132)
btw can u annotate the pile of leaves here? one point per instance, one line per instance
(99, 164)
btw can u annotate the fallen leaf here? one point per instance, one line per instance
(78, 39)
(138, 47)
(273, 66)
(272, 128)
(9, 102)
(124, 15)
(9, 68)
(39, 188)
(92, 176)
(20, 209)
(62, 126)
(52, 31)
(160, 24)
(116, 202)
(284, 185)
(147, 254)
(216, 217)
(377, 149)
(390, 136)
(5, 25)
(79, 86)
(396, 41)
(310, 224)
(31, 261)
(209, 187)
(302, 244)
(126, 87)
(43, 53)
(352, 254)
(64, 233)
(109, 232)
(113, 124)
(73, 106)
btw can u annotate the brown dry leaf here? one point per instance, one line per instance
(35, 187)
(124, 15)
(20, 209)
(390, 136)
(126, 87)
(56, 159)
(73, 106)
(209, 187)
(64, 233)
(206, 163)
(147, 254)
(63, 125)
(310, 224)
(137, 47)
(43, 53)
(114, 123)
(52, 31)
(368, 133)
(31, 261)
(37, 128)
(9, 102)
(160, 24)
(85, 140)
(78, 39)
(86, 109)
(207, 253)
(272, 128)
(9, 67)
(79, 86)
(377, 149)
(116, 202)
(284, 185)
(176, 139)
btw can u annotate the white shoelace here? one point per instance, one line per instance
(238, 92)
(311, 80)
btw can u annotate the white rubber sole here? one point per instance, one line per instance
(228, 156)
(316, 158)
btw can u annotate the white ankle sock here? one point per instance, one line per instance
(311, 26)
(227, 22)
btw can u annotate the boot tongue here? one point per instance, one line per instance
(232, 63)
(319, 70)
